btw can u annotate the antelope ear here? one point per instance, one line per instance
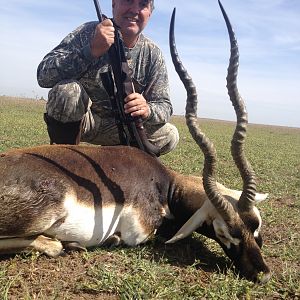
(194, 222)
(259, 197)
(187, 229)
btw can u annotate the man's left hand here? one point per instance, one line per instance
(137, 106)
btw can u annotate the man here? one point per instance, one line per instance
(78, 102)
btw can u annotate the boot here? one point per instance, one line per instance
(63, 133)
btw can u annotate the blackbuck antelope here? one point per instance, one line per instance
(61, 197)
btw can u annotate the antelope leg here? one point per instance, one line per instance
(49, 246)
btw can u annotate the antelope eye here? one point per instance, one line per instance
(253, 225)
(259, 240)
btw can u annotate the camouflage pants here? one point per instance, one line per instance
(69, 102)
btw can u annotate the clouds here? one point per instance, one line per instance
(269, 74)
(267, 32)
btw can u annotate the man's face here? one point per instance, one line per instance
(131, 16)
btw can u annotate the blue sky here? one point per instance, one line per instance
(268, 33)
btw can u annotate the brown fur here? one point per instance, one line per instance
(34, 182)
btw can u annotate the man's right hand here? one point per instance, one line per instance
(103, 38)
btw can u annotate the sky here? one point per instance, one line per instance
(268, 34)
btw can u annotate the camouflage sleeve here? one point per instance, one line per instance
(157, 93)
(69, 60)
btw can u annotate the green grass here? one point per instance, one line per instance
(194, 268)
(21, 123)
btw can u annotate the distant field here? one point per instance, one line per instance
(194, 268)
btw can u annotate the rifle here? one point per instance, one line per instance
(118, 87)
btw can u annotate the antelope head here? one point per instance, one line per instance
(235, 222)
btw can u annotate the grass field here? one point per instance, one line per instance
(194, 268)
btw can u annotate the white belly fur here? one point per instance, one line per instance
(87, 225)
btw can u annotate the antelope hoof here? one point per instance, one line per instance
(113, 241)
(73, 246)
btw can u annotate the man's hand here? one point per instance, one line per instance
(103, 38)
(137, 106)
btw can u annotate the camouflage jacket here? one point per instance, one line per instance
(72, 59)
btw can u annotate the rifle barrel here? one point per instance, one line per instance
(98, 10)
